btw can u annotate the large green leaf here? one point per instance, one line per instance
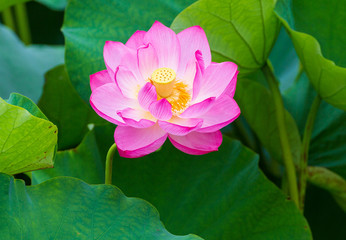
(221, 195)
(89, 23)
(26, 103)
(242, 31)
(257, 107)
(285, 60)
(64, 107)
(85, 161)
(329, 181)
(22, 68)
(327, 146)
(317, 30)
(27, 142)
(68, 208)
(298, 99)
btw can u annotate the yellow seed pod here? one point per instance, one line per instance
(163, 79)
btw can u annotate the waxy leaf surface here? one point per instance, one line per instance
(317, 31)
(26, 103)
(210, 195)
(68, 208)
(27, 142)
(285, 61)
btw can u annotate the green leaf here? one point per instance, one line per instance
(27, 142)
(316, 29)
(85, 161)
(242, 31)
(68, 208)
(330, 181)
(255, 102)
(26, 103)
(89, 23)
(64, 107)
(22, 68)
(327, 146)
(284, 60)
(298, 99)
(221, 195)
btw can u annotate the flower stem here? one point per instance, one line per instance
(109, 164)
(8, 18)
(23, 23)
(285, 146)
(305, 150)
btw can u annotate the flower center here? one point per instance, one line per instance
(175, 91)
(163, 79)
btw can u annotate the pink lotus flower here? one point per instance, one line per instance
(161, 84)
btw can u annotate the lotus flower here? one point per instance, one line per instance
(161, 84)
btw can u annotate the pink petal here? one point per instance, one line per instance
(166, 44)
(115, 54)
(137, 142)
(194, 69)
(230, 90)
(196, 143)
(128, 84)
(191, 40)
(137, 118)
(161, 109)
(224, 111)
(136, 40)
(99, 79)
(198, 109)
(147, 95)
(215, 80)
(107, 99)
(180, 126)
(189, 74)
(197, 81)
(147, 60)
(200, 59)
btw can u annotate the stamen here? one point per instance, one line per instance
(180, 98)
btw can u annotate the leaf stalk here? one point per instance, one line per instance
(23, 23)
(303, 163)
(280, 119)
(7, 18)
